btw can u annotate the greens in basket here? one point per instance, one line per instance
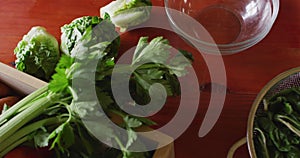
(277, 128)
(53, 115)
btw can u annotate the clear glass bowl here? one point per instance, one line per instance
(222, 26)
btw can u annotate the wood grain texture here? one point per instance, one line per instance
(247, 72)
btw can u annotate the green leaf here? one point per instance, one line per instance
(280, 140)
(59, 83)
(102, 128)
(105, 100)
(154, 69)
(265, 124)
(41, 137)
(293, 153)
(73, 32)
(179, 63)
(89, 31)
(60, 80)
(85, 109)
(132, 122)
(142, 43)
(157, 51)
(132, 137)
(290, 123)
(261, 143)
(145, 121)
(63, 137)
(5, 108)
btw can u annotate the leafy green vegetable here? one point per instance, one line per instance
(40, 137)
(37, 53)
(53, 115)
(278, 126)
(261, 142)
(51, 106)
(103, 30)
(127, 13)
(157, 67)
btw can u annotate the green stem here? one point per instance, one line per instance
(11, 111)
(118, 113)
(121, 68)
(19, 142)
(69, 115)
(116, 69)
(149, 66)
(262, 139)
(291, 127)
(36, 108)
(28, 130)
(120, 143)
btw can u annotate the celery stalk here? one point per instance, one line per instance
(28, 130)
(11, 111)
(36, 108)
(20, 141)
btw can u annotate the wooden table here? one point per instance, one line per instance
(247, 72)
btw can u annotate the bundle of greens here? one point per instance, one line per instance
(277, 128)
(53, 115)
(37, 53)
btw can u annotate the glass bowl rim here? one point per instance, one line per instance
(231, 47)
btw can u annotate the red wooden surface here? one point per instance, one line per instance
(247, 72)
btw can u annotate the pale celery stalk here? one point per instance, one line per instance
(36, 108)
(20, 141)
(11, 111)
(13, 140)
